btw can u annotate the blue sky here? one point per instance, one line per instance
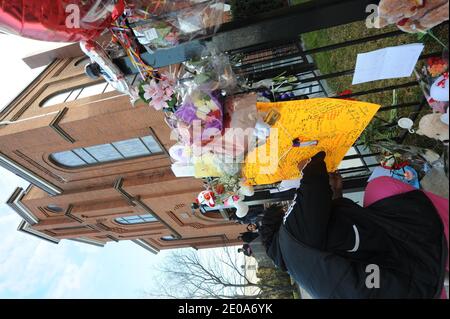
(32, 268)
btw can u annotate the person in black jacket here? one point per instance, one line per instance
(246, 250)
(333, 248)
(248, 237)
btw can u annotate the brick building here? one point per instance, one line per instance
(99, 168)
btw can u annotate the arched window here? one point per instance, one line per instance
(79, 93)
(168, 238)
(105, 153)
(72, 95)
(54, 209)
(137, 219)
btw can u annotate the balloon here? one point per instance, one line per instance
(58, 20)
(236, 201)
(246, 190)
(439, 89)
(112, 74)
(241, 209)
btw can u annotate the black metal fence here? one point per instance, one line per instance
(270, 45)
(288, 58)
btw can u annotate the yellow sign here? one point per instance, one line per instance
(333, 124)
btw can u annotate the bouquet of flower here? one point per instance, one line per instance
(164, 24)
(436, 66)
(159, 92)
(433, 74)
(212, 70)
(205, 108)
(157, 34)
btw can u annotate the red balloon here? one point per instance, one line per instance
(58, 20)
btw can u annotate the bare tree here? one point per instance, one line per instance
(214, 274)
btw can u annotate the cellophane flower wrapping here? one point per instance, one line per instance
(202, 107)
(164, 24)
(211, 69)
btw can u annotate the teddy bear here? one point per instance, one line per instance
(413, 16)
(433, 127)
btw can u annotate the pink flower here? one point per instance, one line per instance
(172, 38)
(161, 92)
(169, 92)
(152, 91)
(158, 103)
(167, 80)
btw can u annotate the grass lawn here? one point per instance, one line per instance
(345, 59)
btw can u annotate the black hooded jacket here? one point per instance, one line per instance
(330, 247)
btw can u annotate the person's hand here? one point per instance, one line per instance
(336, 185)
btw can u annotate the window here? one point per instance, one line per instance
(79, 93)
(104, 153)
(54, 208)
(168, 238)
(70, 228)
(92, 90)
(135, 220)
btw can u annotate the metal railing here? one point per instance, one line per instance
(256, 63)
(268, 45)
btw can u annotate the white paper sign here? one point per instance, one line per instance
(151, 34)
(387, 63)
(286, 185)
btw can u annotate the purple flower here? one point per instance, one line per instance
(267, 94)
(187, 113)
(215, 123)
(212, 129)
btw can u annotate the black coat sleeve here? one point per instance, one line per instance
(308, 218)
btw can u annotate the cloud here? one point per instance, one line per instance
(29, 265)
(72, 283)
(33, 268)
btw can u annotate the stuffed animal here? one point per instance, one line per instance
(439, 89)
(207, 198)
(445, 117)
(237, 202)
(413, 16)
(431, 126)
